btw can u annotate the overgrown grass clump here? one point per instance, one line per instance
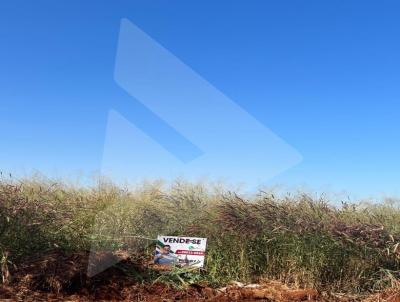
(296, 239)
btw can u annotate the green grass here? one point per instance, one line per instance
(296, 239)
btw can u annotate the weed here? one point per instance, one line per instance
(295, 239)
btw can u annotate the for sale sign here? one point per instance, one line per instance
(182, 251)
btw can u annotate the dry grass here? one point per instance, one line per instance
(297, 239)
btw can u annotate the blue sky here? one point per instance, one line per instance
(323, 75)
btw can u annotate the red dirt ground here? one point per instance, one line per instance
(57, 276)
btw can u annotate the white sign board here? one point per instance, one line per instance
(182, 251)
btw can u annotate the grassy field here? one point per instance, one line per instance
(298, 240)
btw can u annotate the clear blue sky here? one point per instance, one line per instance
(323, 75)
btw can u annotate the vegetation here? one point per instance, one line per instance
(296, 239)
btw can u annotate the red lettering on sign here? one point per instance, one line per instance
(193, 253)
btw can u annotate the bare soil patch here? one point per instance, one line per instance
(57, 276)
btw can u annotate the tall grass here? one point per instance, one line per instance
(296, 239)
